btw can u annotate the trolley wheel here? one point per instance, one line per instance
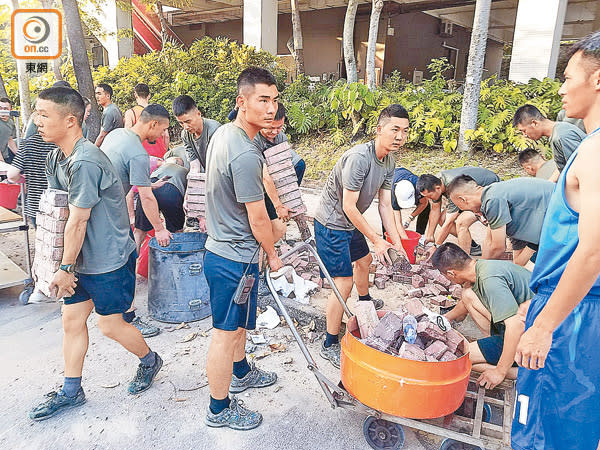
(487, 412)
(24, 296)
(383, 435)
(451, 444)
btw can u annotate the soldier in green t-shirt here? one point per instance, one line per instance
(494, 292)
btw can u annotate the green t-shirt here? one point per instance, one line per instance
(127, 154)
(177, 173)
(263, 144)
(501, 286)
(546, 171)
(7, 131)
(196, 147)
(520, 204)
(564, 140)
(111, 118)
(562, 117)
(233, 177)
(483, 177)
(92, 182)
(358, 169)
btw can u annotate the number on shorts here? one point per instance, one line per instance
(524, 408)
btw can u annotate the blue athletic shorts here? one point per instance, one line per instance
(339, 249)
(558, 407)
(223, 276)
(491, 348)
(111, 292)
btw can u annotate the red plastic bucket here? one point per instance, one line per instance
(9, 194)
(409, 244)
(142, 262)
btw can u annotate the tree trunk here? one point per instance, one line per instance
(3, 92)
(297, 33)
(81, 64)
(372, 47)
(24, 95)
(348, 41)
(56, 69)
(470, 106)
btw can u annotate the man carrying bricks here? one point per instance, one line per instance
(495, 291)
(452, 220)
(361, 174)
(513, 208)
(131, 161)
(267, 138)
(237, 224)
(558, 399)
(98, 263)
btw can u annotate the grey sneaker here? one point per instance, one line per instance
(331, 353)
(144, 377)
(57, 402)
(256, 378)
(475, 250)
(378, 303)
(235, 417)
(146, 329)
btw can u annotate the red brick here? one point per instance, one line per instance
(415, 293)
(55, 197)
(411, 351)
(290, 196)
(417, 281)
(380, 282)
(367, 318)
(414, 307)
(196, 190)
(286, 180)
(282, 156)
(436, 349)
(453, 339)
(279, 148)
(456, 291)
(448, 356)
(441, 279)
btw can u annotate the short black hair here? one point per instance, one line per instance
(154, 112)
(427, 182)
(69, 100)
(527, 155)
(450, 256)
(394, 110)
(252, 76)
(106, 88)
(590, 47)
(281, 112)
(6, 100)
(183, 105)
(525, 114)
(142, 90)
(460, 182)
(61, 83)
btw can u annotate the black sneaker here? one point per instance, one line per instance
(475, 250)
(235, 417)
(331, 353)
(378, 303)
(57, 402)
(144, 376)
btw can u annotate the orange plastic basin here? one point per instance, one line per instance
(398, 386)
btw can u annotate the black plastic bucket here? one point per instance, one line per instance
(177, 287)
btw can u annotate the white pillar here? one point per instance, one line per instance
(260, 24)
(536, 41)
(116, 25)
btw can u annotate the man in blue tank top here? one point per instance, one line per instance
(558, 387)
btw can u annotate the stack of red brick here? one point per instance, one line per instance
(386, 334)
(305, 265)
(281, 169)
(196, 194)
(49, 237)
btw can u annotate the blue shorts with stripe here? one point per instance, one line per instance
(558, 407)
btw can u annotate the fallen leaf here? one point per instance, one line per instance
(263, 354)
(180, 399)
(277, 347)
(278, 388)
(190, 337)
(110, 386)
(289, 360)
(182, 325)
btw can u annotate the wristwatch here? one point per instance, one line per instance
(69, 268)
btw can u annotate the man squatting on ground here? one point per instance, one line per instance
(492, 295)
(98, 264)
(536, 165)
(405, 196)
(265, 139)
(558, 395)
(237, 224)
(513, 208)
(131, 162)
(452, 220)
(563, 137)
(361, 174)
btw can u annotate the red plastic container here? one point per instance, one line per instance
(9, 193)
(409, 244)
(398, 386)
(142, 262)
